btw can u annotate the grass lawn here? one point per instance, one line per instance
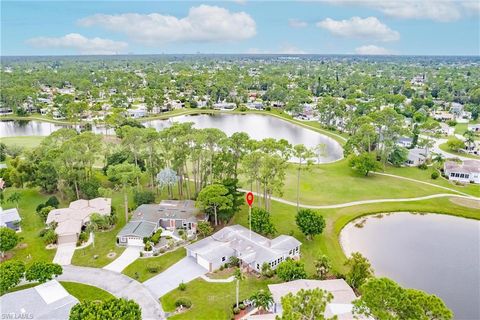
(31, 247)
(425, 175)
(460, 128)
(212, 300)
(337, 183)
(445, 148)
(23, 287)
(138, 269)
(283, 216)
(86, 292)
(27, 142)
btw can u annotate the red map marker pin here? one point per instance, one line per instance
(249, 199)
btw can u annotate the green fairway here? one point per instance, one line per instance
(336, 183)
(86, 292)
(212, 300)
(27, 142)
(138, 270)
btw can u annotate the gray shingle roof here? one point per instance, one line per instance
(138, 228)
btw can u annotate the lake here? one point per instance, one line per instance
(257, 126)
(436, 253)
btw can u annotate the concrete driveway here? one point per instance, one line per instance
(117, 284)
(184, 270)
(64, 254)
(127, 257)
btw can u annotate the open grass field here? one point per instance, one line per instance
(138, 270)
(27, 142)
(31, 247)
(212, 300)
(336, 183)
(86, 292)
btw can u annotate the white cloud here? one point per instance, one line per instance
(437, 10)
(295, 23)
(284, 49)
(203, 23)
(372, 50)
(80, 44)
(356, 27)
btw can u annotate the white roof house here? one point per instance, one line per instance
(464, 172)
(416, 156)
(341, 306)
(46, 301)
(70, 220)
(10, 218)
(252, 249)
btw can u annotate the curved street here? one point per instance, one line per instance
(117, 284)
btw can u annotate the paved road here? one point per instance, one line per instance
(128, 256)
(436, 149)
(117, 284)
(64, 254)
(184, 271)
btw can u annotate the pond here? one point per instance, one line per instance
(436, 253)
(257, 126)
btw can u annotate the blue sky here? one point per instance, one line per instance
(407, 27)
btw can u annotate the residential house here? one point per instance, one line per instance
(416, 156)
(467, 171)
(252, 249)
(10, 218)
(405, 142)
(139, 112)
(255, 105)
(71, 220)
(446, 129)
(340, 307)
(224, 106)
(47, 301)
(443, 116)
(475, 127)
(168, 215)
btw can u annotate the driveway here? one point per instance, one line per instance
(64, 254)
(117, 284)
(184, 270)
(127, 257)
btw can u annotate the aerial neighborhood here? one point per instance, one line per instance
(147, 174)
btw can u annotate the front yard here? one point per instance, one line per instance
(143, 269)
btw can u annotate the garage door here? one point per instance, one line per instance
(204, 263)
(67, 238)
(135, 242)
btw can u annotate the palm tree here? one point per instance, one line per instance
(238, 276)
(469, 138)
(438, 158)
(302, 154)
(262, 299)
(15, 197)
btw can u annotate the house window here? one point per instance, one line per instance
(223, 259)
(258, 266)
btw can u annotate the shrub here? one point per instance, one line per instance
(152, 269)
(241, 306)
(422, 166)
(44, 211)
(52, 202)
(143, 197)
(233, 261)
(236, 310)
(267, 271)
(181, 232)
(156, 236)
(434, 175)
(182, 286)
(183, 302)
(40, 207)
(289, 270)
(50, 236)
